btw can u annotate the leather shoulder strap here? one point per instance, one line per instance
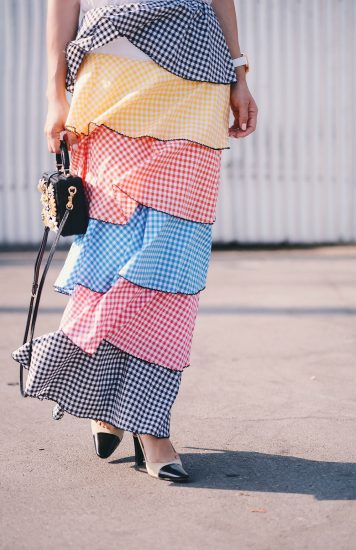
(37, 290)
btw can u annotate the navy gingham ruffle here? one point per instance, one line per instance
(111, 385)
(182, 36)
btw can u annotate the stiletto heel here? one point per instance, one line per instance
(139, 456)
(105, 440)
(170, 471)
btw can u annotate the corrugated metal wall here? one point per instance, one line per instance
(292, 180)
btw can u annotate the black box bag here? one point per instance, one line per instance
(63, 197)
(64, 211)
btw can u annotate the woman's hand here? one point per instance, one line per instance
(244, 109)
(56, 117)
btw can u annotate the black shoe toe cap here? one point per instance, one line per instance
(105, 444)
(173, 472)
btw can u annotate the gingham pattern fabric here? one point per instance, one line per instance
(162, 105)
(110, 385)
(149, 324)
(183, 36)
(151, 134)
(176, 177)
(154, 250)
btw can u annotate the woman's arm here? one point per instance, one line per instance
(61, 28)
(243, 105)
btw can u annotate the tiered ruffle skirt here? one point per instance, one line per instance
(151, 134)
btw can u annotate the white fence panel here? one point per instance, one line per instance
(293, 180)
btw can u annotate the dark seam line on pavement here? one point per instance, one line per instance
(293, 311)
(204, 310)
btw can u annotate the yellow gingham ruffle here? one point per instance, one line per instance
(140, 98)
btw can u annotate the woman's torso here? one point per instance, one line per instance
(120, 46)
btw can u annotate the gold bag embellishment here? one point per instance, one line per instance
(49, 209)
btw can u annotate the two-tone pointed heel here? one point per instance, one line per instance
(105, 440)
(169, 471)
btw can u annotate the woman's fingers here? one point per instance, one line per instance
(238, 129)
(72, 140)
(243, 116)
(55, 122)
(53, 140)
(252, 118)
(54, 136)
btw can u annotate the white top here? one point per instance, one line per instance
(120, 46)
(90, 4)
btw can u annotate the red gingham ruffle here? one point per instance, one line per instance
(149, 324)
(178, 177)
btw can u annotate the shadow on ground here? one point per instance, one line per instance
(253, 471)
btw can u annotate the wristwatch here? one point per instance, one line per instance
(242, 60)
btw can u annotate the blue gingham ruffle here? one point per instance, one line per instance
(154, 249)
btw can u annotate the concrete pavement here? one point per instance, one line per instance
(265, 421)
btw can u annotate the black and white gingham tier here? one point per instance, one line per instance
(183, 36)
(110, 385)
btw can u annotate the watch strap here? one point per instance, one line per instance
(239, 61)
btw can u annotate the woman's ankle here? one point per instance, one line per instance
(158, 449)
(105, 425)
